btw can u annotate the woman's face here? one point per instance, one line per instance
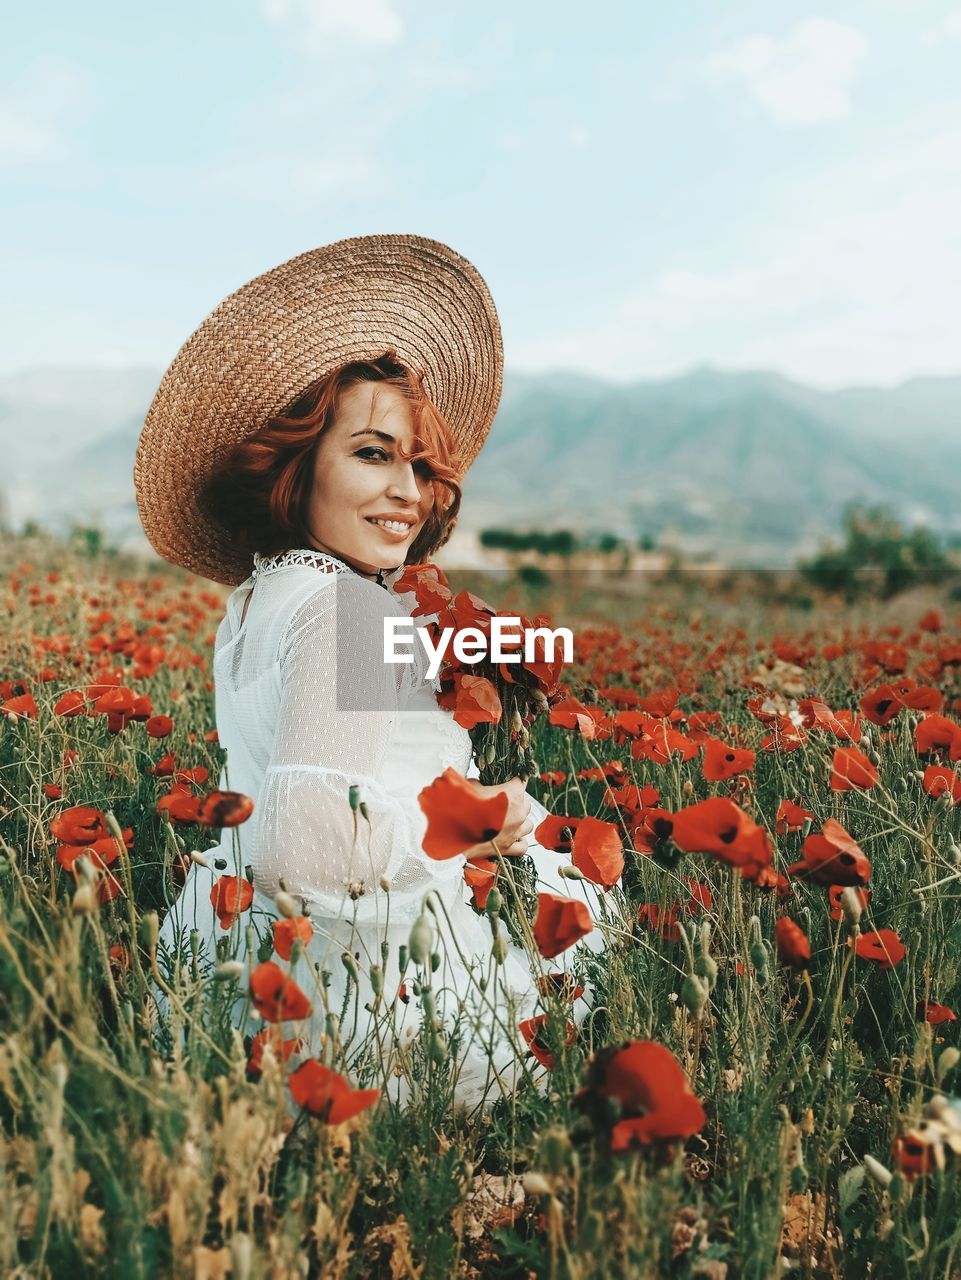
(360, 481)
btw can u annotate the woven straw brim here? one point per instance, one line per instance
(271, 339)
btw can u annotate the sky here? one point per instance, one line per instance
(645, 187)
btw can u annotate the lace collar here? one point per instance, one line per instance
(315, 559)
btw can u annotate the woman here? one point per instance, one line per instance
(308, 442)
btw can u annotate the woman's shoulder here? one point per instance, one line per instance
(345, 610)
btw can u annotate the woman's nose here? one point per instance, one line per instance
(404, 485)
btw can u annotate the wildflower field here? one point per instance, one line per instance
(765, 785)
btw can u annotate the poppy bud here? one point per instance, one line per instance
(948, 1059)
(434, 961)
(384, 884)
(877, 1171)
(806, 828)
(849, 900)
(694, 994)
(149, 929)
(427, 1001)
(421, 936)
(228, 970)
(332, 1025)
(350, 964)
(759, 959)
(402, 955)
(197, 857)
(570, 872)
(437, 1048)
(286, 905)
(705, 967)
(85, 900)
(376, 979)
(516, 722)
(194, 941)
(353, 795)
(499, 949)
(688, 789)
(535, 1184)
(363, 810)
(494, 901)
(955, 854)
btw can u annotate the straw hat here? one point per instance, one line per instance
(271, 339)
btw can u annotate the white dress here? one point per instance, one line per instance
(306, 708)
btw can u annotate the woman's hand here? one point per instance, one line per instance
(518, 824)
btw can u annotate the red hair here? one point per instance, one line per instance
(262, 487)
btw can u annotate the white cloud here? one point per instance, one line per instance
(857, 282)
(804, 78)
(326, 23)
(947, 29)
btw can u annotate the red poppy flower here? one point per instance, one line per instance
(560, 922)
(791, 817)
(792, 943)
(101, 852)
(476, 701)
(937, 1014)
(80, 825)
(912, 1154)
(179, 806)
(291, 930)
(164, 767)
(224, 809)
(276, 996)
(481, 875)
(557, 832)
(653, 832)
(851, 768)
(833, 857)
(701, 897)
(722, 761)
(327, 1095)
(939, 780)
(159, 726)
(559, 984)
(70, 704)
(282, 1049)
(834, 895)
(883, 948)
(23, 707)
(937, 733)
(657, 1103)
(459, 816)
(597, 852)
(719, 827)
(553, 777)
(660, 920)
(532, 1029)
(230, 896)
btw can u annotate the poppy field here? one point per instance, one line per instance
(756, 1076)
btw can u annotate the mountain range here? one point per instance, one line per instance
(747, 467)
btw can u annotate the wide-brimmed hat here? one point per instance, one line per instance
(265, 344)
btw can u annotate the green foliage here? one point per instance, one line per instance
(131, 1153)
(878, 556)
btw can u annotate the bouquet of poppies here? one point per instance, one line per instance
(496, 701)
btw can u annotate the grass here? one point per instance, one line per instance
(131, 1150)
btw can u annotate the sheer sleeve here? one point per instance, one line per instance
(338, 703)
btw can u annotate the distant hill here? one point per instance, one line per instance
(751, 467)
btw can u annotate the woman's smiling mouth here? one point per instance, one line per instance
(397, 527)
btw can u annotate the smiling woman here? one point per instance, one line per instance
(321, 503)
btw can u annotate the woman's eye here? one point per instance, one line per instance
(372, 449)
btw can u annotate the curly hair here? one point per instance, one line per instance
(261, 489)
